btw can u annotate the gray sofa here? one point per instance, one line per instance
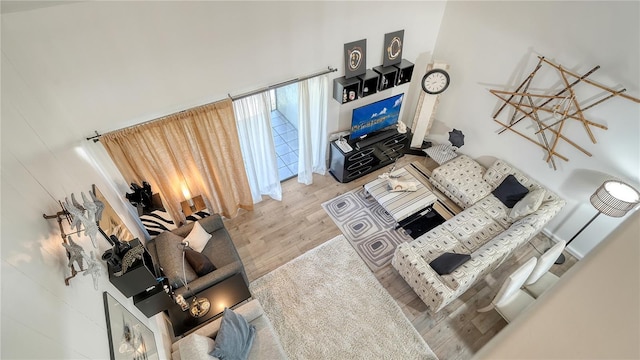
(198, 344)
(166, 252)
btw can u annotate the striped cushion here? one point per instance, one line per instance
(157, 221)
(198, 215)
(441, 153)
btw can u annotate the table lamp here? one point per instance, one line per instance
(199, 306)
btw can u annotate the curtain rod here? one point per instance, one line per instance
(97, 136)
(279, 85)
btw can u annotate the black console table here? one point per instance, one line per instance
(227, 293)
(368, 154)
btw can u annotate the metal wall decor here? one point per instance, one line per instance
(549, 112)
(83, 218)
(355, 58)
(393, 48)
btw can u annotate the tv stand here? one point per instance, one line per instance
(368, 154)
(372, 139)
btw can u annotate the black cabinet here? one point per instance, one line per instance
(139, 277)
(153, 300)
(369, 154)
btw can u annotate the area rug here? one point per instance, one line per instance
(326, 304)
(367, 226)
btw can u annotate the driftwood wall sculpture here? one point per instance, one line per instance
(548, 113)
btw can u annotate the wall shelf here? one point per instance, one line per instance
(346, 90)
(372, 81)
(368, 83)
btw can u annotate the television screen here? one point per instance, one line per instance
(375, 116)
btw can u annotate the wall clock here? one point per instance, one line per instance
(435, 81)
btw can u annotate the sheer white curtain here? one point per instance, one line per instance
(253, 119)
(312, 129)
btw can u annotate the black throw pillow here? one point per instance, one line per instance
(510, 191)
(199, 262)
(447, 262)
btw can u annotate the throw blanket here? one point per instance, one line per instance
(399, 185)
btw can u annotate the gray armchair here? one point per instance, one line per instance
(166, 252)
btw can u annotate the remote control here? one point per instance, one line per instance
(344, 145)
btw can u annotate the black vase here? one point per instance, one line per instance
(114, 260)
(119, 248)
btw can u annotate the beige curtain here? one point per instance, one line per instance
(197, 149)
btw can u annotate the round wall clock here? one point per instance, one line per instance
(435, 81)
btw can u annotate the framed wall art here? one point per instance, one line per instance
(110, 221)
(355, 58)
(393, 48)
(128, 338)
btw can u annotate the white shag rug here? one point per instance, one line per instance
(326, 304)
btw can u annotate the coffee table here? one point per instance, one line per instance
(401, 204)
(227, 293)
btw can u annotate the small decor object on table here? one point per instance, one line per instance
(130, 257)
(199, 307)
(128, 337)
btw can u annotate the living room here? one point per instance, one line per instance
(74, 68)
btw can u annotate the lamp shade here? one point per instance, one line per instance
(615, 198)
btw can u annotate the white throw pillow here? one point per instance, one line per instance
(527, 205)
(196, 346)
(198, 237)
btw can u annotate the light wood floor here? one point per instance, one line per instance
(279, 231)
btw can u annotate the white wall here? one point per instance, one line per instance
(69, 70)
(592, 313)
(493, 45)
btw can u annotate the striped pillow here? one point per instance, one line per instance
(198, 215)
(157, 221)
(441, 153)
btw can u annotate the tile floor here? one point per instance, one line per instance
(285, 137)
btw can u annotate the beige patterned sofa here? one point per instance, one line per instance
(484, 229)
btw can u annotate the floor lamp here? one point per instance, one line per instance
(613, 198)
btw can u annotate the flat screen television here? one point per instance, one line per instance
(375, 116)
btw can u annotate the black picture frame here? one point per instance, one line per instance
(129, 339)
(393, 43)
(355, 58)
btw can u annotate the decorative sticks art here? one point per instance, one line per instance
(549, 113)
